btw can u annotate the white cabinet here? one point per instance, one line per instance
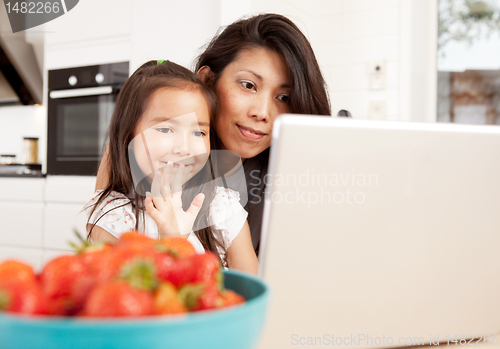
(21, 224)
(94, 32)
(90, 20)
(65, 197)
(38, 216)
(21, 212)
(61, 219)
(69, 189)
(21, 189)
(31, 256)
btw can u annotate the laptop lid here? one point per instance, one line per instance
(380, 234)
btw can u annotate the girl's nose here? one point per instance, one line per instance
(182, 146)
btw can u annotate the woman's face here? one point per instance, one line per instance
(175, 127)
(252, 90)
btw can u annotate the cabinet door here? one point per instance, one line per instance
(69, 189)
(21, 189)
(60, 222)
(49, 255)
(21, 224)
(31, 256)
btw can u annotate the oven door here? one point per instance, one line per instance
(78, 122)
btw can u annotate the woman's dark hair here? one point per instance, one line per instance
(277, 33)
(131, 103)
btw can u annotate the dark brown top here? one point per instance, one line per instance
(255, 173)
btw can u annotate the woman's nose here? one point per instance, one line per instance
(262, 108)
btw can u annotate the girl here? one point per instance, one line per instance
(159, 145)
(259, 67)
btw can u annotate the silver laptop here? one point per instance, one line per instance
(381, 234)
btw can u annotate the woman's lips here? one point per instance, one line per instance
(250, 134)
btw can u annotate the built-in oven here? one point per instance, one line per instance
(80, 105)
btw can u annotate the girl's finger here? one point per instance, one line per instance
(150, 207)
(196, 204)
(178, 181)
(156, 185)
(164, 187)
(168, 171)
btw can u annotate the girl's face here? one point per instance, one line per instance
(252, 90)
(175, 127)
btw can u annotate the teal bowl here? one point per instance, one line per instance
(233, 328)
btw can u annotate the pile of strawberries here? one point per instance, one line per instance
(137, 276)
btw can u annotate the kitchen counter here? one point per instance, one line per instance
(23, 175)
(21, 170)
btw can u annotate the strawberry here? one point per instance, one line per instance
(59, 275)
(178, 246)
(119, 255)
(206, 268)
(80, 291)
(200, 296)
(22, 297)
(134, 236)
(167, 300)
(93, 254)
(116, 298)
(176, 271)
(12, 269)
(230, 298)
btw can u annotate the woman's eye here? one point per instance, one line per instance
(248, 85)
(199, 133)
(164, 130)
(284, 98)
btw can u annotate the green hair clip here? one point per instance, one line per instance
(160, 61)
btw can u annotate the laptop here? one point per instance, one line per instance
(381, 234)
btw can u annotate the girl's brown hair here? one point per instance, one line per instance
(131, 103)
(277, 33)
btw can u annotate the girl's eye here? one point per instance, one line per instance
(284, 98)
(199, 133)
(164, 130)
(248, 85)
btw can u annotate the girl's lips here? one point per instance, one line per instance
(187, 168)
(250, 134)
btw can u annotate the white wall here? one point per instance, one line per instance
(171, 29)
(349, 35)
(17, 122)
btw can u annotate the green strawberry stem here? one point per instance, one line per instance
(84, 244)
(140, 273)
(190, 294)
(4, 300)
(164, 249)
(219, 279)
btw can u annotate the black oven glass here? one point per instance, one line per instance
(82, 126)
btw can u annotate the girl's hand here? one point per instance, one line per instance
(165, 207)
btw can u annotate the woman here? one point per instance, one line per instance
(259, 68)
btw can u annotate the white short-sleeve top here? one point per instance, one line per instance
(116, 216)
